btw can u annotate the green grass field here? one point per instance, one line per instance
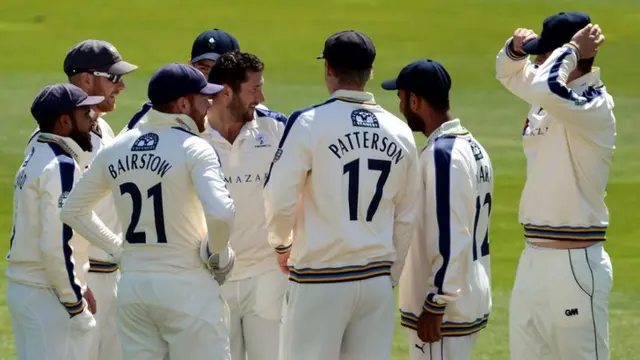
(463, 34)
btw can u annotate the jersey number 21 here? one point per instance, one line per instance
(155, 193)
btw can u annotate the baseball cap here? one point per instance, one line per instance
(211, 44)
(557, 30)
(176, 80)
(58, 99)
(425, 77)
(349, 49)
(96, 55)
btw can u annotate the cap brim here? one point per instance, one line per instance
(121, 68)
(206, 56)
(536, 47)
(211, 89)
(390, 84)
(91, 100)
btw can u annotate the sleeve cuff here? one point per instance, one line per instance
(283, 249)
(513, 55)
(574, 48)
(75, 308)
(430, 305)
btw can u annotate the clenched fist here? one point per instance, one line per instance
(520, 37)
(588, 40)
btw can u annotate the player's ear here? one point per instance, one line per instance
(414, 102)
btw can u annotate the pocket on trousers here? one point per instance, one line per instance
(571, 290)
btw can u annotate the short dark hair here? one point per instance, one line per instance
(350, 76)
(438, 104)
(231, 69)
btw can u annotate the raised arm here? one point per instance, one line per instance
(549, 89)
(513, 68)
(286, 179)
(78, 210)
(208, 181)
(449, 190)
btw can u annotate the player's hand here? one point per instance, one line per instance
(91, 301)
(283, 260)
(429, 325)
(520, 37)
(84, 321)
(588, 40)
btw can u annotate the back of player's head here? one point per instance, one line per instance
(175, 80)
(212, 44)
(232, 68)
(350, 55)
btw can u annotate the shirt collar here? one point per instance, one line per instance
(590, 79)
(67, 144)
(362, 97)
(159, 119)
(450, 127)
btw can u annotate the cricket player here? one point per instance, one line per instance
(246, 138)
(167, 183)
(47, 295)
(355, 167)
(560, 299)
(209, 46)
(97, 67)
(445, 290)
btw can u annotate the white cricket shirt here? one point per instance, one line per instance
(448, 268)
(99, 260)
(45, 252)
(568, 138)
(245, 165)
(355, 166)
(167, 184)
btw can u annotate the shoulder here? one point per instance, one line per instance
(135, 119)
(446, 150)
(264, 113)
(310, 111)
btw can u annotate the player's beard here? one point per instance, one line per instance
(83, 139)
(239, 112)
(414, 121)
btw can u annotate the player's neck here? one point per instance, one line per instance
(436, 121)
(226, 127)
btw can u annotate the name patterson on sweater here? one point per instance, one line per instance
(366, 140)
(147, 162)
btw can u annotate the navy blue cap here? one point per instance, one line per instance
(349, 50)
(425, 78)
(55, 100)
(557, 30)
(211, 44)
(176, 80)
(95, 55)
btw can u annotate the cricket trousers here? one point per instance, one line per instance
(42, 327)
(255, 306)
(104, 286)
(559, 304)
(351, 320)
(447, 348)
(172, 316)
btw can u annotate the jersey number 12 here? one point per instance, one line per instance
(353, 170)
(140, 237)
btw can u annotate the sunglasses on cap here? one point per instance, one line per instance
(111, 77)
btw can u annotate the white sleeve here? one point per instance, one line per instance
(78, 209)
(515, 72)
(206, 173)
(549, 90)
(404, 224)
(450, 188)
(55, 183)
(286, 178)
